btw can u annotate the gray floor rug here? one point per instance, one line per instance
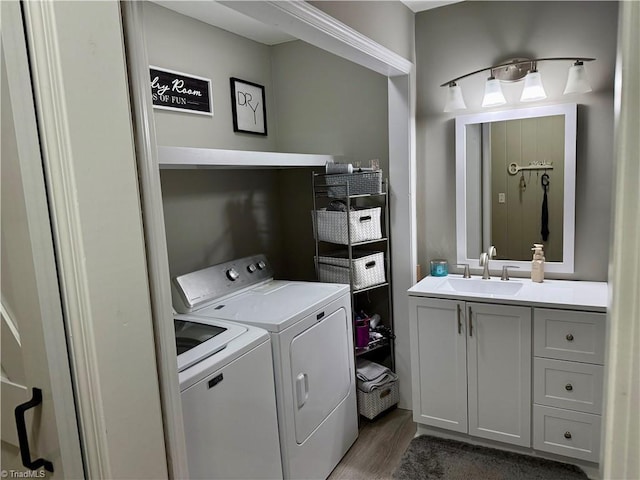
(431, 458)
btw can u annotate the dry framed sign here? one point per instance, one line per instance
(248, 106)
(177, 91)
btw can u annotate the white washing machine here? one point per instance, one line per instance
(228, 400)
(312, 344)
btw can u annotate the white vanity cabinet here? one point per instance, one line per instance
(471, 368)
(522, 365)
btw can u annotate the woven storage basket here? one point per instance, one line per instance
(360, 183)
(368, 268)
(364, 225)
(377, 401)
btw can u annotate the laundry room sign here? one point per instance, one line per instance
(171, 90)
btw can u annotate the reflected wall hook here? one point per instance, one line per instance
(514, 168)
(545, 181)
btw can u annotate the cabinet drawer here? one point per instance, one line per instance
(567, 335)
(568, 433)
(576, 386)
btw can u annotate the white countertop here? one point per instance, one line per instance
(566, 294)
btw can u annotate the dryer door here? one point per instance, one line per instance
(320, 369)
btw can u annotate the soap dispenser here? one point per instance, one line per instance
(537, 264)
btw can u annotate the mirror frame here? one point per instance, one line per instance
(570, 128)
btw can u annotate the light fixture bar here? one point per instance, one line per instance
(517, 62)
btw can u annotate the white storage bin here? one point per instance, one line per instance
(364, 225)
(375, 402)
(367, 267)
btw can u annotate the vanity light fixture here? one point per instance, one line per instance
(577, 82)
(533, 89)
(493, 95)
(512, 71)
(455, 101)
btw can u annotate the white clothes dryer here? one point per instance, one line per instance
(228, 400)
(312, 344)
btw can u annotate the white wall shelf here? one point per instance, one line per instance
(189, 157)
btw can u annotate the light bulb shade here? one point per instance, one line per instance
(455, 101)
(493, 95)
(533, 89)
(577, 82)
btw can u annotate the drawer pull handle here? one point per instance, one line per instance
(567, 435)
(569, 337)
(568, 387)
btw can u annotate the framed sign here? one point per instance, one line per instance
(178, 91)
(249, 110)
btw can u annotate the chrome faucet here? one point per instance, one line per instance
(484, 261)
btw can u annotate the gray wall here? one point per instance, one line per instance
(212, 216)
(316, 103)
(325, 105)
(460, 38)
(329, 105)
(181, 43)
(388, 23)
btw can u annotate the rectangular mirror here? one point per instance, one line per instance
(505, 163)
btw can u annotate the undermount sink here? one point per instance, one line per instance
(488, 287)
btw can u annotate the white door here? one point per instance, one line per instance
(34, 353)
(499, 372)
(320, 373)
(439, 363)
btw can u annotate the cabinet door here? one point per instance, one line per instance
(438, 363)
(499, 372)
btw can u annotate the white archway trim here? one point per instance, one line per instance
(155, 238)
(312, 25)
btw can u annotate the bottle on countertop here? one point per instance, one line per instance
(537, 264)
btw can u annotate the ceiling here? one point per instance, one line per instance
(223, 17)
(218, 15)
(422, 5)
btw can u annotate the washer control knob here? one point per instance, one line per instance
(261, 265)
(252, 268)
(232, 274)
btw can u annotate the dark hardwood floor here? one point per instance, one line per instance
(378, 449)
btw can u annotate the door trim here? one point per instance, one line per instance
(39, 221)
(79, 78)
